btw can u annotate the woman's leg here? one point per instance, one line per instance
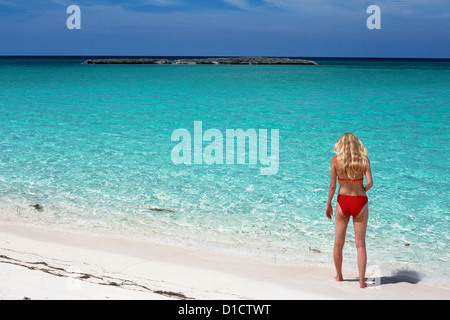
(341, 222)
(360, 225)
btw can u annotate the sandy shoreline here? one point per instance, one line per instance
(38, 263)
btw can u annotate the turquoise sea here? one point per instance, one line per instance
(92, 145)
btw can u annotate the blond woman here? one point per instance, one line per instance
(350, 166)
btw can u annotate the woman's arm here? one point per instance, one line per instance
(332, 188)
(368, 174)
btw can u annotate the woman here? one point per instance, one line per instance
(350, 166)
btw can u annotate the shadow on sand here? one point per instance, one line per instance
(399, 276)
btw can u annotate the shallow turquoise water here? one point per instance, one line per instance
(92, 145)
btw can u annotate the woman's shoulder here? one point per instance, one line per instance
(334, 161)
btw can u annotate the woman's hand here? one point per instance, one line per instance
(329, 211)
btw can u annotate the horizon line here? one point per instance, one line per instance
(217, 56)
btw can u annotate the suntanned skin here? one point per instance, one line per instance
(341, 221)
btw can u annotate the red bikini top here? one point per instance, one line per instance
(343, 180)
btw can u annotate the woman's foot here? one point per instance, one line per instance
(362, 284)
(339, 278)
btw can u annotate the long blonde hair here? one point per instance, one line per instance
(351, 155)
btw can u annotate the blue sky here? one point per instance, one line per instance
(303, 28)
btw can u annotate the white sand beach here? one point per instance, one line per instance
(41, 263)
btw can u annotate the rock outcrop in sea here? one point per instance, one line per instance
(222, 61)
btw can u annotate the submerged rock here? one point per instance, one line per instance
(161, 210)
(38, 207)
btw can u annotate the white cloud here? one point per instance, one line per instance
(162, 3)
(241, 4)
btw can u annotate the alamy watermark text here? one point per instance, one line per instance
(213, 153)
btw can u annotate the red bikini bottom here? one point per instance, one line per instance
(351, 206)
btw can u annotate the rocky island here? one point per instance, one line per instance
(222, 61)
